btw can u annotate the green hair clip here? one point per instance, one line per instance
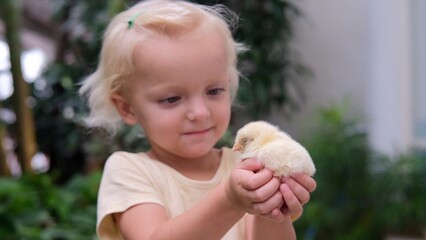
(131, 22)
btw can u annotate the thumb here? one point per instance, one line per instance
(251, 164)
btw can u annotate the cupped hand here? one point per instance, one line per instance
(296, 193)
(254, 189)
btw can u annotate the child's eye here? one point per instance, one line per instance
(215, 91)
(170, 99)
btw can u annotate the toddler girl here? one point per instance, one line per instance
(170, 67)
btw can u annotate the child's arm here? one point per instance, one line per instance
(296, 192)
(245, 191)
(210, 219)
(263, 228)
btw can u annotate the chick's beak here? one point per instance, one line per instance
(236, 147)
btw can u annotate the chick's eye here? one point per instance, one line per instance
(244, 141)
(215, 91)
(170, 99)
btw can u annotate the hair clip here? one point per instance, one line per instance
(131, 22)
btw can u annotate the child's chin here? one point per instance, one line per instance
(198, 151)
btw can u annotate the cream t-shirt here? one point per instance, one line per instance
(129, 179)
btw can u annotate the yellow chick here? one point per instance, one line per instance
(274, 148)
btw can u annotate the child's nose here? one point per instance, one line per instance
(198, 110)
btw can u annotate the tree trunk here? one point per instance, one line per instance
(4, 168)
(24, 117)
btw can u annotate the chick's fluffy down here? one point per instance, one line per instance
(274, 148)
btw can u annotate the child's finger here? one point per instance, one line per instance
(275, 215)
(268, 205)
(251, 164)
(305, 180)
(256, 180)
(298, 190)
(292, 202)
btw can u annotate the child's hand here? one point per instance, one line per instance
(296, 193)
(254, 189)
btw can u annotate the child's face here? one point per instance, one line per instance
(183, 101)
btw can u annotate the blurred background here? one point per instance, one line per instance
(346, 78)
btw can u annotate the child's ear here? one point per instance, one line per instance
(124, 109)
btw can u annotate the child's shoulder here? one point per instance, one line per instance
(123, 155)
(126, 154)
(123, 159)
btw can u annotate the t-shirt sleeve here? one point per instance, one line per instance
(126, 182)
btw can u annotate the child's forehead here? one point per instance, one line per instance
(167, 51)
(184, 60)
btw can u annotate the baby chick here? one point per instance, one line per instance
(274, 148)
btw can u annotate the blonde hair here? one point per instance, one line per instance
(129, 28)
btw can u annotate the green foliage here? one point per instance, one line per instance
(340, 205)
(33, 207)
(59, 135)
(59, 108)
(360, 195)
(401, 183)
(273, 72)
